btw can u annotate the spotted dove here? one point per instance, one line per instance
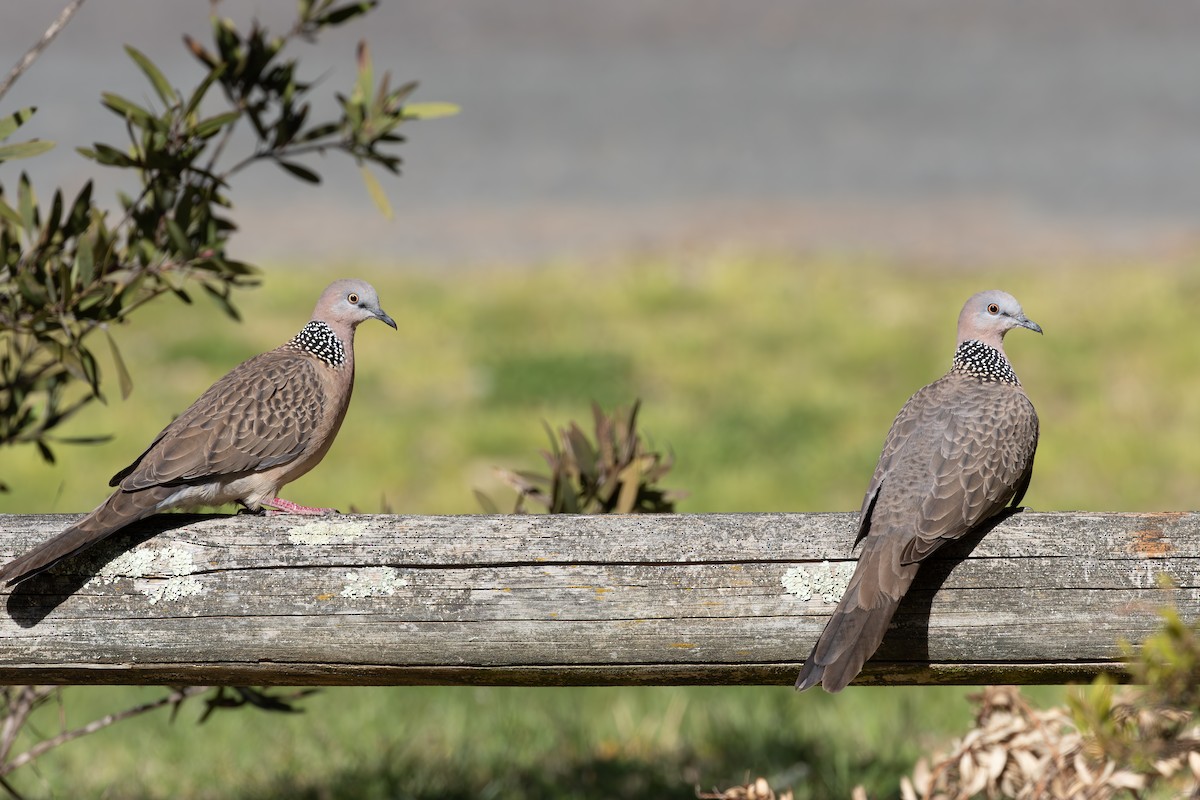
(266, 423)
(959, 451)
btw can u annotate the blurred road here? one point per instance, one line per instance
(919, 129)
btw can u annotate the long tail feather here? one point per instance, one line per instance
(119, 510)
(861, 619)
(859, 631)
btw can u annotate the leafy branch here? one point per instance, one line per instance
(68, 270)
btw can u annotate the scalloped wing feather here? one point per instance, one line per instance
(262, 414)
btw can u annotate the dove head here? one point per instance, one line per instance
(989, 315)
(346, 303)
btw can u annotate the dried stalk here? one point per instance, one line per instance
(28, 700)
(31, 55)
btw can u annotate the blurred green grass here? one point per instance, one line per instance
(440, 742)
(772, 380)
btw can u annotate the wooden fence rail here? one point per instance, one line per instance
(555, 600)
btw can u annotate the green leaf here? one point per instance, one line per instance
(398, 96)
(213, 125)
(222, 299)
(339, 15)
(27, 205)
(430, 110)
(97, 439)
(85, 260)
(319, 132)
(366, 76)
(179, 239)
(110, 156)
(10, 214)
(36, 147)
(376, 192)
(302, 172)
(165, 92)
(227, 39)
(47, 453)
(80, 214)
(122, 373)
(15, 120)
(53, 216)
(193, 102)
(126, 108)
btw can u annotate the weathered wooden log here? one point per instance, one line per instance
(541, 600)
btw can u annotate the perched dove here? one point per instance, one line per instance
(263, 425)
(959, 451)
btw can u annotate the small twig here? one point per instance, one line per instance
(42, 748)
(26, 60)
(8, 787)
(20, 702)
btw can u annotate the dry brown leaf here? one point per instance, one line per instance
(972, 778)
(994, 762)
(1124, 779)
(1081, 769)
(758, 790)
(922, 779)
(1031, 766)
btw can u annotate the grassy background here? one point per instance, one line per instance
(772, 380)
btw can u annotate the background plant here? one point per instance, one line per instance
(617, 473)
(1138, 741)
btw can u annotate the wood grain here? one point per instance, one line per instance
(541, 600)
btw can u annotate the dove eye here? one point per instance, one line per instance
(352, 298)
(993, 309)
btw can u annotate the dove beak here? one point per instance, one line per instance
(382, 316)
(1026, 322)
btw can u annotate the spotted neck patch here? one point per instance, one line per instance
(319, 339)
(983, 362)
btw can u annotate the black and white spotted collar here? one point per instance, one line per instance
(319, 339)
(983, 362)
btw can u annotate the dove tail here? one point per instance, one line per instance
(859, 622)
(835, 673)
(119, 510)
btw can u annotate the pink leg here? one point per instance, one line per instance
(277, 505)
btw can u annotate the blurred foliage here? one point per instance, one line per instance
(1139, 741)
(1150, 729)
(616, 474)
(68, 270)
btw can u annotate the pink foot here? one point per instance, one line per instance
(277, 505)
